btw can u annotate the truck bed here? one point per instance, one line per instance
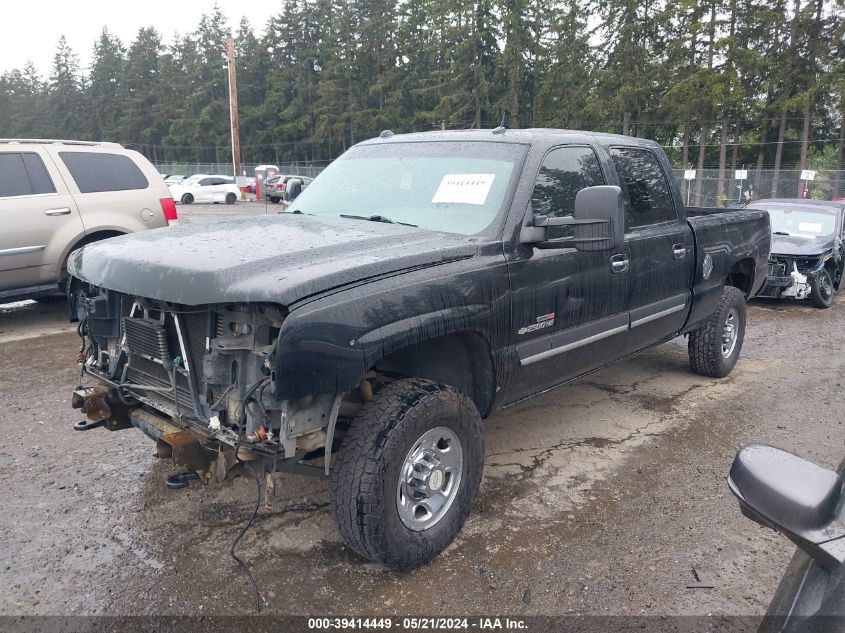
(728, 236)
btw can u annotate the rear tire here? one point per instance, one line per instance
(408, 473)
(231, 198)
(187, 199)
(821, 289)
(273, 199)
(714, 348)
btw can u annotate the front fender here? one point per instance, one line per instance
(328, 345)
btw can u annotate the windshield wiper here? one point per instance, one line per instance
(376, 218)
(779, 233)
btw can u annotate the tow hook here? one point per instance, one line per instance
(102, 406)
(180, 480)
(85, 425)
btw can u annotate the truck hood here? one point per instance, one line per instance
(280, 258)
(789, 245)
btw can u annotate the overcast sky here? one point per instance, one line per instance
(31, 30)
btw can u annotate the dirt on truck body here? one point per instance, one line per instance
(365, 333)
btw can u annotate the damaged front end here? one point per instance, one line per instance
(792, 277)
(201, 382)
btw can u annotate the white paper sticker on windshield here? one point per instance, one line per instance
(810, 227)
(464, 189)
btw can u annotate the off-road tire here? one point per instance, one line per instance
(366, 475)
(187, 199)
(816, 295)
(231, 198)
(705, 343)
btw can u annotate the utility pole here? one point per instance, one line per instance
(233, 106)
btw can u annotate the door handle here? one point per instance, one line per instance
(619, 263)
(679, 251)
(59, 211)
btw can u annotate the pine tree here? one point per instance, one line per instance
(66, 100)
(105, 86)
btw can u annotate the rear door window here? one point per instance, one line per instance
(645, 189)
(98, 171)
(23, 174)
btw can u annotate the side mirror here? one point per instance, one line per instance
(293, 189)
(598, 220)
(795, 497)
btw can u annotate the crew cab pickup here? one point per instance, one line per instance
(419, 284)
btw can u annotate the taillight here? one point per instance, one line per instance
(169, 208)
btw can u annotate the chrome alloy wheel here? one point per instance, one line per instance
(730, 333)
(429, 478)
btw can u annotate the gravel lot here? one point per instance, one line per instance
(598, 498)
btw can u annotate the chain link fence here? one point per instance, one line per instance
(761, 183)
(703, 191)
(300, 168)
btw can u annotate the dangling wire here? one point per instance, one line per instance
(259, 597)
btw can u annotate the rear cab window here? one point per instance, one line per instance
(100, 171)
(645, 189)
(23, 174)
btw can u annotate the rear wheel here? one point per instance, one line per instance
(187, 199)
(408, 473)
(231, 198)
(714, 348)
(273, 199)
(821, 286)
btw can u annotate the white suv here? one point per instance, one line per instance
(56, 196)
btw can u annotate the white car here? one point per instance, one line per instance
(206, 188)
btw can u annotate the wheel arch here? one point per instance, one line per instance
(741, 276)
(462, 359)
(89, 238)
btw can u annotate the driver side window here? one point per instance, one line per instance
(565, 172)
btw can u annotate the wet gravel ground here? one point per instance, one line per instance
(598, 498)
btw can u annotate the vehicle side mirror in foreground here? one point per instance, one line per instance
(598, 221)
(293, 189)
(795, 497)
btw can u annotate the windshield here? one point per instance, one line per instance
(456, 187)
(801, 222)
(192, 180)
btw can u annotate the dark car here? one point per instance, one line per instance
(420, 283)
(807, 251)
(806, 503)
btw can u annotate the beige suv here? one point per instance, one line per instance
(56, 196)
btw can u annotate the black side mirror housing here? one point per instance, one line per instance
(598, 220)
(801, 500)
(293, 189)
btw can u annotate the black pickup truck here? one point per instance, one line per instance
(419, 284)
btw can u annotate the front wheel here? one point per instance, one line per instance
(187, 199)
(408, 473)
(821, 289)
(714, 348)
(231, 198)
